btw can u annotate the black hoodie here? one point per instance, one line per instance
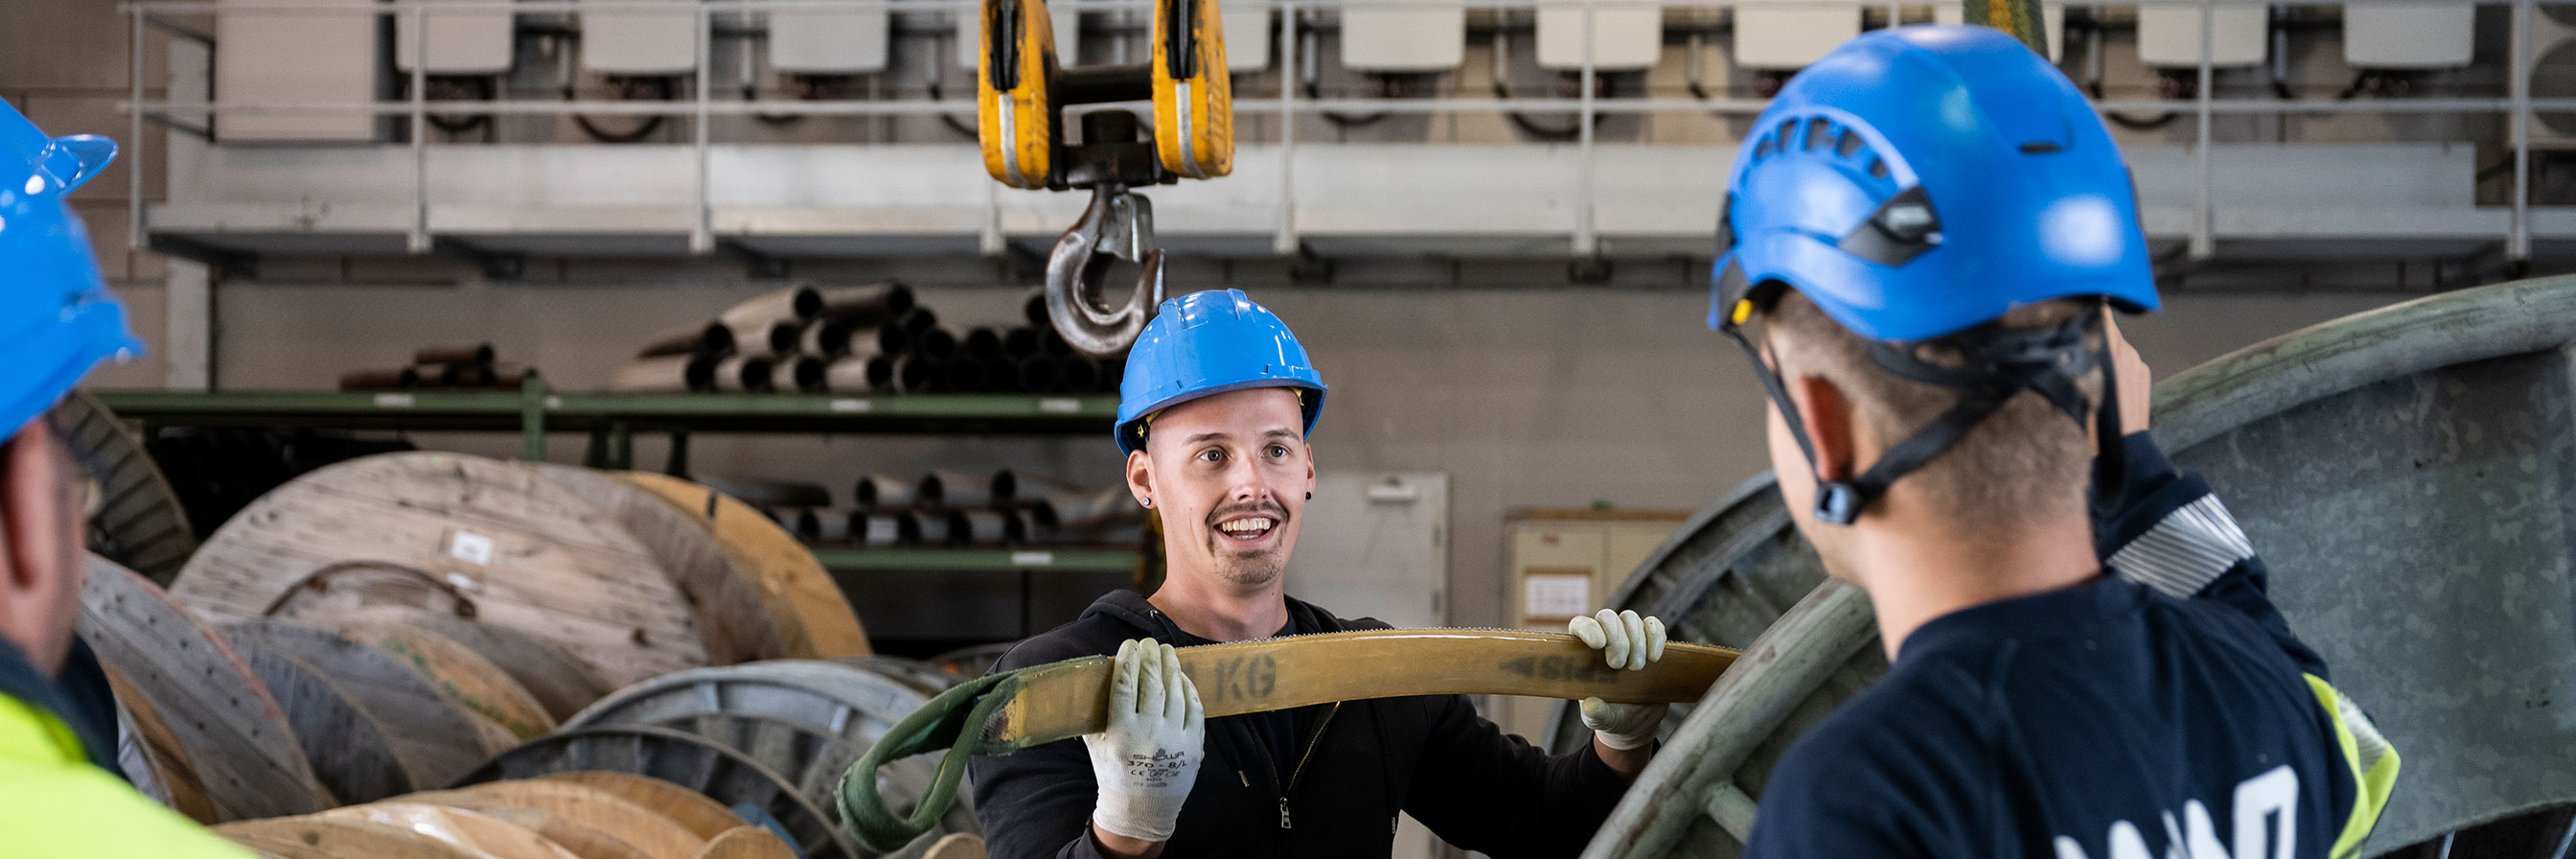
(1361, 763)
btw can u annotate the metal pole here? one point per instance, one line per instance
(418, 241)
(532, 417)
(2517, 244)
(1284, 242)
(2204, 245)
(1587, 242)
(134, 138)
(702, 233)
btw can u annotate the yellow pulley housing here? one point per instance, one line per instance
(1193, 93)
(1015, 107)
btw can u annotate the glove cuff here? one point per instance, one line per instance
(1145, 818)
(1623, 742)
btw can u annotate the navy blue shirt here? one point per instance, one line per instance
(2166, 701)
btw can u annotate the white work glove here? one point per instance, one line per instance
(1628, 642)
(1149, 757)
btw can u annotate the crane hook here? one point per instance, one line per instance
(1117, 225)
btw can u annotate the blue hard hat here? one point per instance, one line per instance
(56, 317)
(1919, 181)
(1210, 343)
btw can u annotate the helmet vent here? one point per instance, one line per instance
(1816, 129)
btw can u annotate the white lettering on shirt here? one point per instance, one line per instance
(2266, 811)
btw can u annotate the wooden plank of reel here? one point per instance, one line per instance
(692, 810)
(484, 836)
(657, 836)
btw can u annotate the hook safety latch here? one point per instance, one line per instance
(1118, 225)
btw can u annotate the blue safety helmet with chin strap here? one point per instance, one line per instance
(56, 318)
(1208, 343)
(1917, 184)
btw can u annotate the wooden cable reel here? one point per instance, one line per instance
(692, 810)
(460, 675)
(480, 835)
(395, 534)
(364, 691)
(636, 826)
(739, 623)
(140, 523)
(561, 684)
(147, 747)
(747, 842)
(799, 593)
(343, 838)
(707, 768)
(220, 717)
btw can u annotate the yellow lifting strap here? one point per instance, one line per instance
(1006, 712)
(1071, 698)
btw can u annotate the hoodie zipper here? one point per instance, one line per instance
(1311, 742)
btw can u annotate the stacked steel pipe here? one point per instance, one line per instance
(442, 368)
(948, 508)
(862, 339)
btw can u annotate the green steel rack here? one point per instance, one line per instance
(612, 419)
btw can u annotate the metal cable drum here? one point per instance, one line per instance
(140, 523)
(2406, 474)
(921, 675)
(392, 535)
(966, 663)
(692, 762)
(806, 720)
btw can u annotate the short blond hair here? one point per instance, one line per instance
(2025, 461)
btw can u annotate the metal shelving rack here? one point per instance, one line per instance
(612, 419)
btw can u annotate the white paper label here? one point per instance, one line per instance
(1032, 559)
(393, 401)
(1556, 596)
(852, 406)
(1059, 405)
(471, 548)
(464, 583)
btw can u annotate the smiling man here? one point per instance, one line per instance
(1213, 418)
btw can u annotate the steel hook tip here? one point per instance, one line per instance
(1117, 225)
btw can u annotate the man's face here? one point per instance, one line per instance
(1230, 473)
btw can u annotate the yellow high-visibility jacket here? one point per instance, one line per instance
(56, 804)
